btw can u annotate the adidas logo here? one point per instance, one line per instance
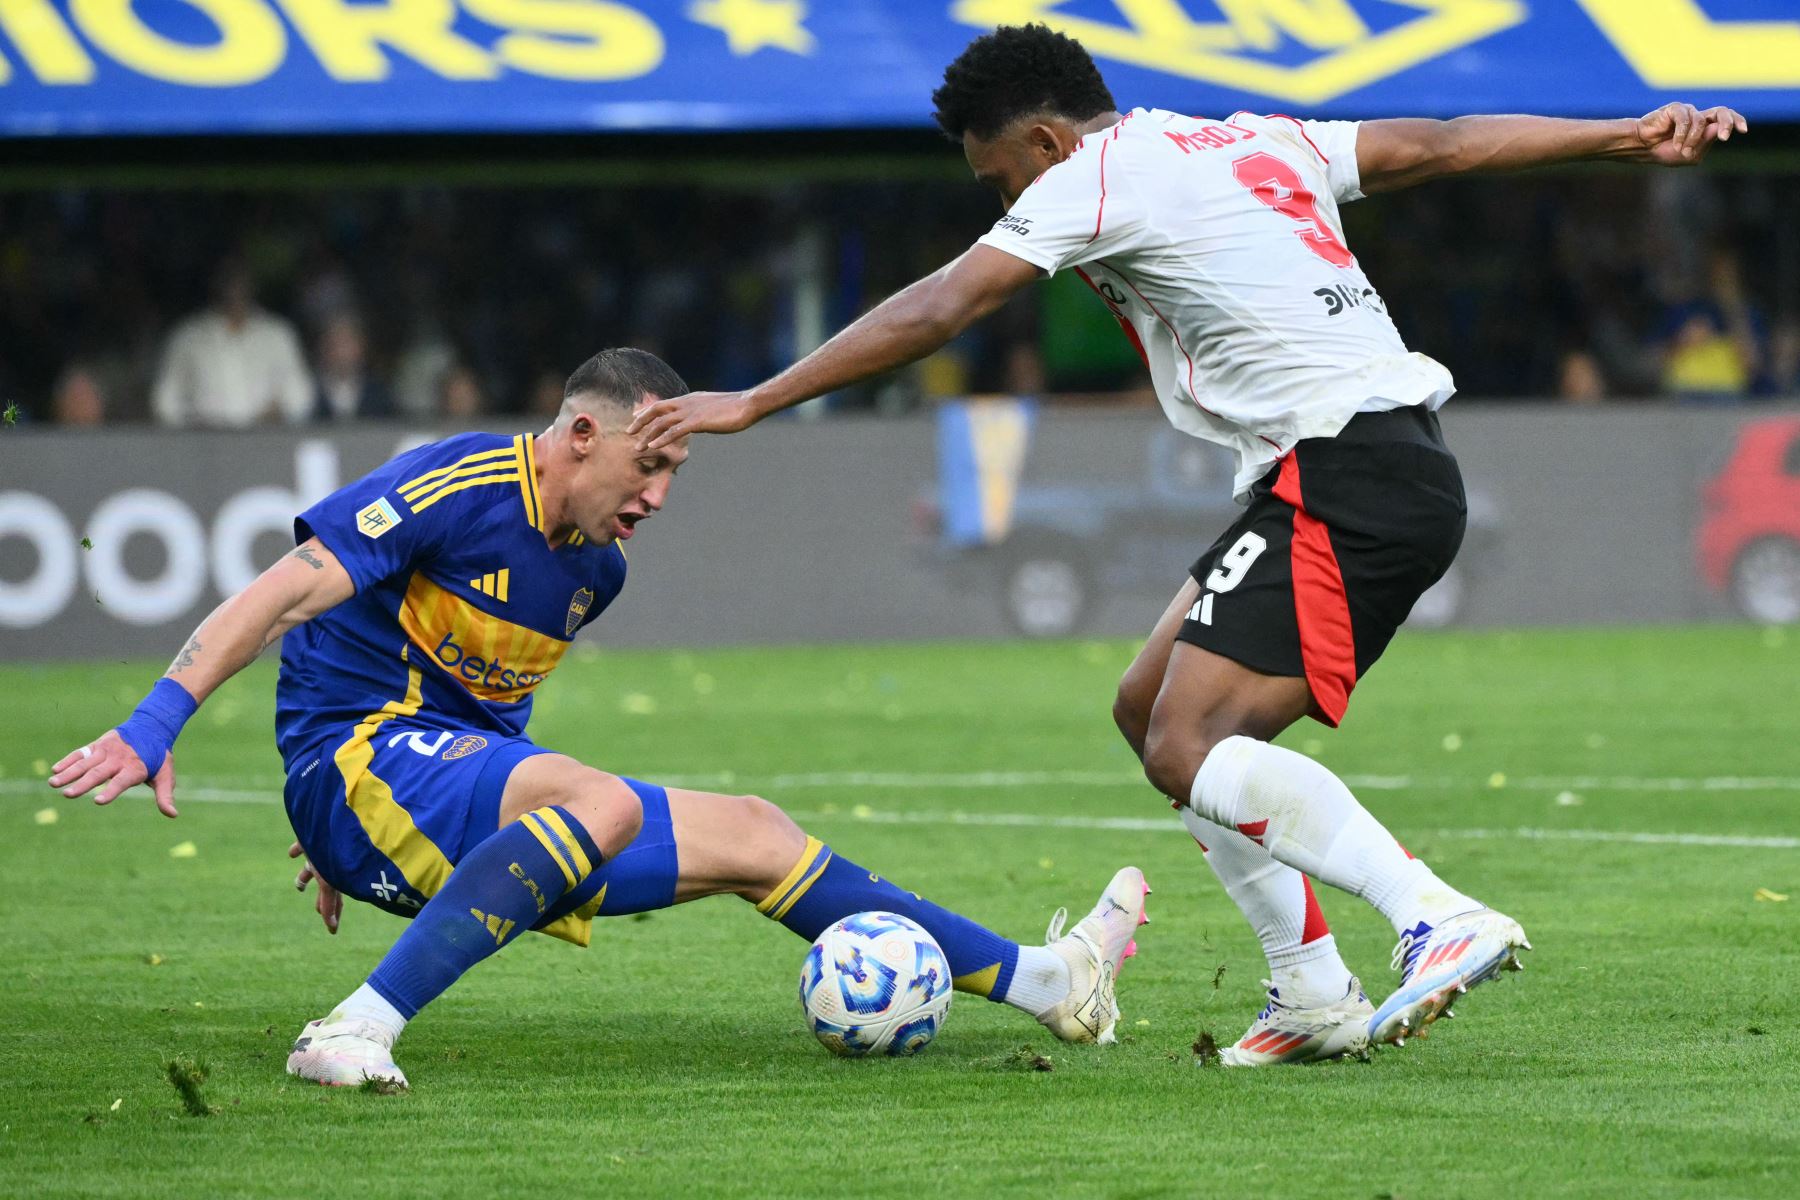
(498, 926)
(494, 583)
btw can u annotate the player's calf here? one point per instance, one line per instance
(1067, 985)
(502, 887)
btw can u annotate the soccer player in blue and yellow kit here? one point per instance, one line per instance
(422, 608)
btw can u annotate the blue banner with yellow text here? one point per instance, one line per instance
(328, 66)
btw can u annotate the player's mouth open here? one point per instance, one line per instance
(627, 523)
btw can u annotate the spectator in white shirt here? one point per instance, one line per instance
(233, 365)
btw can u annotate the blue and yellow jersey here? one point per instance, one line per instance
(461, 607)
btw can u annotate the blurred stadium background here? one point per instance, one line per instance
(249, 248)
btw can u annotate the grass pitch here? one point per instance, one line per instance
(1628, 796)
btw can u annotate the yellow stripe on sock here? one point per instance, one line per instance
(779, 892)
(979, 983)
(801, 890)
(571, 843)
(543, 835)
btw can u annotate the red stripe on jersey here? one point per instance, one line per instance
(1177, 336)
(1321, 608)
(1315, 927)
(1130, 330)
(1101, 215)
(1303, 133)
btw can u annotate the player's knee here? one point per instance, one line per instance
(606, 806)
(1131, 712)
(1175, 749)
(771, 842)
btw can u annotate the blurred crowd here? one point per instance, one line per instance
(449, 305)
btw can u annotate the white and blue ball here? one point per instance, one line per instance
(875, 983)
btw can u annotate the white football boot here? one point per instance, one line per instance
(1284, 1033)
(1095, 949)
(1439, 963)
(344, 1053)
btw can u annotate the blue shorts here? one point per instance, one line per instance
(385, 813)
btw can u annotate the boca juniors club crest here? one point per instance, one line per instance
(578, 607)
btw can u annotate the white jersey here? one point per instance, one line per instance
(1217, 245)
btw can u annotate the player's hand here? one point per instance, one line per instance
(1678, 135)
(328, 900)
(110, 764)
(664, 421)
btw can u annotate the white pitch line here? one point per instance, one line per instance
(223, 786)
(864, 815)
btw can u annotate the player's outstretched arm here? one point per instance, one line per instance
(297, 588)
(1401, 153)
(902, 329)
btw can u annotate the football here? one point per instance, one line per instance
(875, 983)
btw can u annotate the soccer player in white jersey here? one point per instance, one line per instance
(1216, 242)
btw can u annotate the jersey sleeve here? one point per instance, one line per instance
(1335, 142)
(1082, 209)
(1331, 144)
(372, 527)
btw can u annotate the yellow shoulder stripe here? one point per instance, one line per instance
(434, 497)
(466, 460)
(525, 452)
(463, 472)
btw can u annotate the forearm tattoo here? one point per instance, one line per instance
(306, 555)
(185, 659)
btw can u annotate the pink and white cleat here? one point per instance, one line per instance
(342, 1053)
(1095, 949)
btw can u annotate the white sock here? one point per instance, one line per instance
(1273, 898)
(366, 1004)
(1040, 981)
(1307, 818)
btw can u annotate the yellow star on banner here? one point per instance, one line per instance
(750, 25)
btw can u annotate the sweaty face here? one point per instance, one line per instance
(1010, 160)
(617, 485)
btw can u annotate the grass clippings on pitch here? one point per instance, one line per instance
(1650, 1050)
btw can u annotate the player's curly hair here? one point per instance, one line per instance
(1013, 72)
(622, 375)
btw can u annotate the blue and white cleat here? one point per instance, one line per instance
(341, 1053)
(1438, 964)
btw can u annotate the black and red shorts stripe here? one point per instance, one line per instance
(1339, 539)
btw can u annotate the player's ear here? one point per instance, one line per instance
(1042, 139)
(582, 432)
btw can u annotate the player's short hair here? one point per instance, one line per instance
(622, 375)
(1013, 72)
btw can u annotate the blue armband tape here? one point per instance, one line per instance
(152, 728)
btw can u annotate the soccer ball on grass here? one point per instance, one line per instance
(875, 983)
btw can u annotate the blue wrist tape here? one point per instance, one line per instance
(152, 728)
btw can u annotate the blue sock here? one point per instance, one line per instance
(499, 890)
(824, 888)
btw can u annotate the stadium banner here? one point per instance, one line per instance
(114, 544)
(79, 67)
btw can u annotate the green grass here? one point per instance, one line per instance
(1649, 1050)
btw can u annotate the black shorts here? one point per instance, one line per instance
(1340, 538)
